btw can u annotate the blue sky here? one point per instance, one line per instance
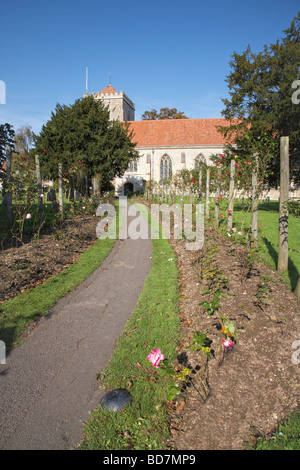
(160, 53)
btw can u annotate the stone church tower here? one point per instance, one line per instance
(121, 108)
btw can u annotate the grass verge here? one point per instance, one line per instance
(17, 313)
(143, 424)
(286, 437)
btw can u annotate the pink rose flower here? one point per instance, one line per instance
(228, 343)
(155, 357)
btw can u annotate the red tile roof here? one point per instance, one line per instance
(109, 89)
(177, 132)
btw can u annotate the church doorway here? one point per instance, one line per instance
(128, 188)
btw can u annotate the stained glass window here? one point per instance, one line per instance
(165, 168)
(200, 161)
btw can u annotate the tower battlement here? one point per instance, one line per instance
(121, 107)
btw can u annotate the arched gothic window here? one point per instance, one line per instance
(200, 161)
(165, 168)
(133, 166)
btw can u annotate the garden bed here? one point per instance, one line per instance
(247, 391)
(36, 260)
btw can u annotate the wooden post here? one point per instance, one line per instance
(60, 189)
(39, 185)
(283, 209)
(254, 210)
(207, 191)
(72, 188)
(200, 185)
(8, 196)
(297, 289)
(217, 207)
(231, 196)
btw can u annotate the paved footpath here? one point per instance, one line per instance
(48, 385)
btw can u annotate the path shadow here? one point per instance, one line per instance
(293, 272)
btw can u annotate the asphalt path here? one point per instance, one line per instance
(48, 385)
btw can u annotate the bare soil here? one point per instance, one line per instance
(34, 261)
(241, 393)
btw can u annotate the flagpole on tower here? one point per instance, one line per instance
(86, 79)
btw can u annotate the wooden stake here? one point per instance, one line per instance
(60, 190)
(200, 185)
(297, 289)
(217, 207)
(39, 185)
(254, 210)
(207, 191)
(283, 256)
(231, 196)
(9, 194)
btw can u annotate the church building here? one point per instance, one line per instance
(165, 146)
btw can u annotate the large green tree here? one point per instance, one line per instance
(260, 106)
(82, 138)
(164, 113)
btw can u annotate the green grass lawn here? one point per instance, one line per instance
(286, 437)
(268, 237)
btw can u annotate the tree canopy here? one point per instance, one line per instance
(164, 113)
(260, 106)
(82, 138)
